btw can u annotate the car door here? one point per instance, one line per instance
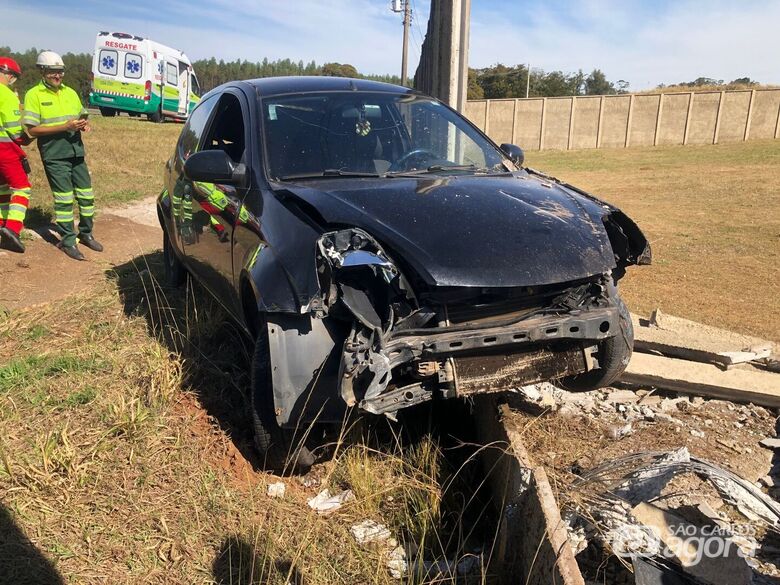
(216, 208)
(178, 188)
(170, 89)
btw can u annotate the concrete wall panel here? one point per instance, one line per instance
(526, 116)
(675, 110)
(501, 114)
(556, 123)
(475, 111)
(701, 126)
(733, 116)
(529, 119)
(764, 118)
(613, 133)
(643, 120)
(586, 122)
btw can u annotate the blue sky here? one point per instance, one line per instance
(645, 43)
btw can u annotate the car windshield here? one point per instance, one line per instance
(370, 134)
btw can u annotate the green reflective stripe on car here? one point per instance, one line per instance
(119, 88)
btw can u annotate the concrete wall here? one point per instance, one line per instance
(532, 544)
(617, 121)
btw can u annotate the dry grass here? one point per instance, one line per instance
(712, 214)
(126, 157)
(125, 458)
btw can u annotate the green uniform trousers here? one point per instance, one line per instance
(69, 181)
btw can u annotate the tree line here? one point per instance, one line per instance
(210, 72)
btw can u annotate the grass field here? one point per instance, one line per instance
(712, 214)
(125, 458)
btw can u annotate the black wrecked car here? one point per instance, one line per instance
(383, 252)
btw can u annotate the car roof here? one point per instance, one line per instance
(270, 86)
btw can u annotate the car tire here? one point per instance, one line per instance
(107, 112)
(156, 117)
(175, 272)
(613, 355)
(277, 446)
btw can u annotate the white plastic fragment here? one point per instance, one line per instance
(276, 490)
(369, 531)
(325, 503)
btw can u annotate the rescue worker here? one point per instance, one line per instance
(14, 184)
(54, 115)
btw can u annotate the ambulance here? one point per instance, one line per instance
(141, 77)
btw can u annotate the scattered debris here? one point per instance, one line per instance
(396, 562)
(276, 490)
(770, 443)
(369, 531)
(610, 506)
(325, 503)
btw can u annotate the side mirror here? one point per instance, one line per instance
(514, 153)
(214, 166)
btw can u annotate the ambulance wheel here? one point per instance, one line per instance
(107, 112)
(156, 117)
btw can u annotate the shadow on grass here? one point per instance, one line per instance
(214, 353)
(241, 562)
(21, 563)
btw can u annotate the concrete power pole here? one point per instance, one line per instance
(405, 52)
(444, 63)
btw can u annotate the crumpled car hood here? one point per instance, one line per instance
(486, 231)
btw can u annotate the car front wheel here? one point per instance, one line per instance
(278, 447)
(613, 356)
(175, 272)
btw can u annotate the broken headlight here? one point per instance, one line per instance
(358, 279)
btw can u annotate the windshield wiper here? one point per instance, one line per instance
(328, 173)
(436, 169)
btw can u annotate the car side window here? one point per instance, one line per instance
(227, 130)
(194, 128)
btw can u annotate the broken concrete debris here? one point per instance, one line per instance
(609, 508)
(325, 503)
(770, 443)
(369, 531)
(276, 490)
(680, 338)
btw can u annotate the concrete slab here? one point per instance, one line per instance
(677, 337)
(691, 546)
(762, 388)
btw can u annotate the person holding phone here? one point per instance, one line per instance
(14, 183)
(53, 114)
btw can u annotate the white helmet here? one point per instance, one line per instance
(50, 60)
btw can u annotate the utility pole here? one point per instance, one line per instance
(528, 81)
(404, 54)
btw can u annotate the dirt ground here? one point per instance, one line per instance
(43, 273)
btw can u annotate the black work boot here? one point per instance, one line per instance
(10, 241)
(91, 243)
(71, 251)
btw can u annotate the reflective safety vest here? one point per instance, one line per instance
(46, 107)
(11, 131)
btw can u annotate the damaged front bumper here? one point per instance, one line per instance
(456, 361)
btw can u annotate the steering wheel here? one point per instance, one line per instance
(417, 153)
